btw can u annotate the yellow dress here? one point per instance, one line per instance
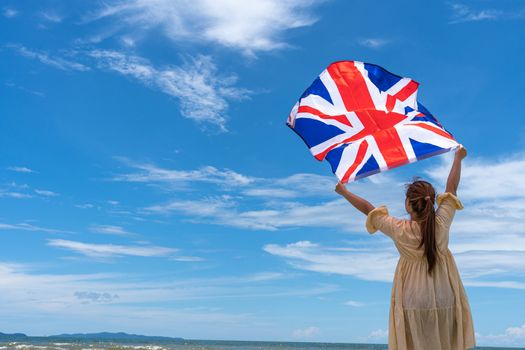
(427, 312)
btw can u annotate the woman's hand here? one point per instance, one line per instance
(340, 188)
(461, 152)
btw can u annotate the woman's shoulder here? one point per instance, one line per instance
(450, 199)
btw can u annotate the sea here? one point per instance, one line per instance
(193, 345)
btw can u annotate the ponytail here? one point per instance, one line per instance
(421, 195)
(428, 233)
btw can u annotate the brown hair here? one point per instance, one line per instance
(421, 195)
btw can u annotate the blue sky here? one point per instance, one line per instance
(149, 184)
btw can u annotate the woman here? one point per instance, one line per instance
(429, 309)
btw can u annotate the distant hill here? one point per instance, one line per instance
(91, 336)
(12, 336)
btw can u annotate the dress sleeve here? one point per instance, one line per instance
(447, 206)
(378, 219)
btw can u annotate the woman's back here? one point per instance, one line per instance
(428, 310)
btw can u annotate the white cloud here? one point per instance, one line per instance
(12, 85)
(128, 301)
(308, 332)
(85, 206)
(29, 227)
(487, 238)
(9, 12)
(110, 301)
(51, 16)
(270, 192)
(46, 193)
(185, 258)
(354, 303)
(95, 297)
(374, 43)
(277, 209)
(94, 250)
(246, 26)
(225, 210)
(295, 185)
(20, 169)
(376, 261)
(45, 58)
(150, 173)
(463, 13)
(372, 263)
(274, 212)
(202, 92)
(378, 334)
(15, 190)
(512, 336)
(499, 178)
(109, 230)
(23, 191)
(14, 194)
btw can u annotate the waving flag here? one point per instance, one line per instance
(364, 120)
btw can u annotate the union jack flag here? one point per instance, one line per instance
(364, 120)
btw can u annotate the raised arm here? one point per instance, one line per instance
(359, 203)
(455, 171)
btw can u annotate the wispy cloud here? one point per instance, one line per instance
(354, 303)
(94, 250)
(109, 230)
(95, 297)
(30, 227)
(24, 191)
(46, 193)
(150, 173)
(84, 206)
(14, 194)
(51, 16)
(226, 210)
(499, 178)
(47, 59)
(293, 186)
(25, 290)
(154, 302)
(464, 13)
(9, 12)
(12, 85)
(487, 238)
(374, 43)
(378, 335)
(20, 169)
(248, 27)
(112, 299)
(306, 333)
(376, 261)
(274, 203)
(202, 92)
(370, 263)
(307, 200)
(512, 336)
(185, 258)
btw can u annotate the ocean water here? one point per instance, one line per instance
(192, 345)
